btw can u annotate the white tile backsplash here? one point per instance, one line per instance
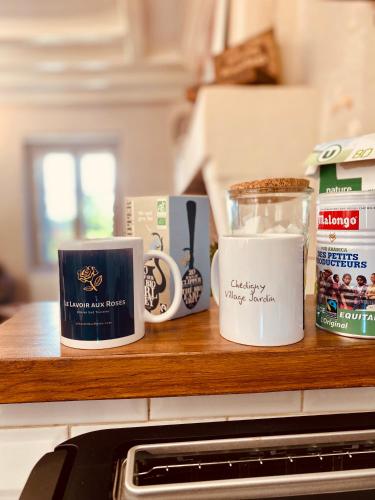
(20, 449)
(229, 405)
(339, 400)
(9, 495)
(76, 430)
(73, 412)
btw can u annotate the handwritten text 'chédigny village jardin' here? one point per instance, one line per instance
(247, 291)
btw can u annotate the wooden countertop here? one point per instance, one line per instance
(183, 357)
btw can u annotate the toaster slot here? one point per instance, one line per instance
(152, 469)
(261, 467)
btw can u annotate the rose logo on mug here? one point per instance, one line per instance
(86, 275)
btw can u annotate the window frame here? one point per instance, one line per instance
(35, 152)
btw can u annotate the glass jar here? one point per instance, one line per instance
(270, 206)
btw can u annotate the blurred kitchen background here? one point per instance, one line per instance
(100, 99)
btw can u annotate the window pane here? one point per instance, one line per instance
(98, 173)
(59, 202)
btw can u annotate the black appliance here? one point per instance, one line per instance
(325, 457)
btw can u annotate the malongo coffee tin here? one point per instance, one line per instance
(345, 263)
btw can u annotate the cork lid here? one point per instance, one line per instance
(272, 185)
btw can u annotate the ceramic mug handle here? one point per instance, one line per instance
(177, 279)
(215, 283)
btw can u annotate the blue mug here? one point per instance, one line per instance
(102, 292)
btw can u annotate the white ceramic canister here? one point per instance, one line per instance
(257, 281)
(345, 263)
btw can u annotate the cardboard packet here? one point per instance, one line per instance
(179, 226)
(344, 165)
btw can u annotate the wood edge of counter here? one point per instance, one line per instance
(91, 378)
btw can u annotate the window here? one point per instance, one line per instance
(73, 196)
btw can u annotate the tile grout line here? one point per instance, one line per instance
(148, 409)
(33, 426)
(302, 400)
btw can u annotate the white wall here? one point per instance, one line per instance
(145, 166)
(338, 51)
(329, 45)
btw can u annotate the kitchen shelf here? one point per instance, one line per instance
(183, 357)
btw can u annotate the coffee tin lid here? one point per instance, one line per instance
(271, 185)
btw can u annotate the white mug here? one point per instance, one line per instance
(257, 281)
(102, 292)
